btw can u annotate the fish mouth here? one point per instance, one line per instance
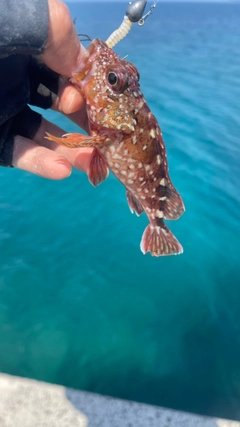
(86, 64)
(80, 73)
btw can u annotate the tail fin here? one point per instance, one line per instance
(159, 241)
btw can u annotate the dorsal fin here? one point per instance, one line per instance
(173, 207)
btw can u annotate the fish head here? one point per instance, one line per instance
(111, 88)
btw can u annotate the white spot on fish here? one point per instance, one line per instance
(158, 159)
(116, 156)
(159, 214)
(163, 198)
(123, 172)
(163, 182)
(140, 165)
(144, 147)
(152, 133)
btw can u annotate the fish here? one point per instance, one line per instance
(126, 138)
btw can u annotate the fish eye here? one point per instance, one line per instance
(112, 79)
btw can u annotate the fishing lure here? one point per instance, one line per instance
(134, 13)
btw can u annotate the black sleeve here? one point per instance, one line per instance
(27, 80)
(23, 26)
(24, 79)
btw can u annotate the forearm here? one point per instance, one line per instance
(24, 26)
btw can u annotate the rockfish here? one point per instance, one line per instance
(127, 139)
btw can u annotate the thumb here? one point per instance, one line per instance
(63, 51)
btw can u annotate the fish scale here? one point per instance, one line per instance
(128, 140)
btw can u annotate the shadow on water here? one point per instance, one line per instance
(101, 411)
(168, 388)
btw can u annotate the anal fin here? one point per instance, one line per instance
(134, 204)
(159, 241)
(98, 170)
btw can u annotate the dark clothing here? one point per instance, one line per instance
(24, 79)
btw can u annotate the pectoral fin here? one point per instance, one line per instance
(98, 170)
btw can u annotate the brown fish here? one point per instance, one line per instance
(128, 140)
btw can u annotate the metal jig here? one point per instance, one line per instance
(135, 10)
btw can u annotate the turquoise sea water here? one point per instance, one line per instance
(79, 303)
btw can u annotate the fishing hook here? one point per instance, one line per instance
(86, 39)
(141, 21)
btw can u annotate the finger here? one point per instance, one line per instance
(63, 50)
(81, 119)
(29, 156)
(69, 101)
(78, 157)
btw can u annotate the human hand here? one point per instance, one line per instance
(62, 54)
